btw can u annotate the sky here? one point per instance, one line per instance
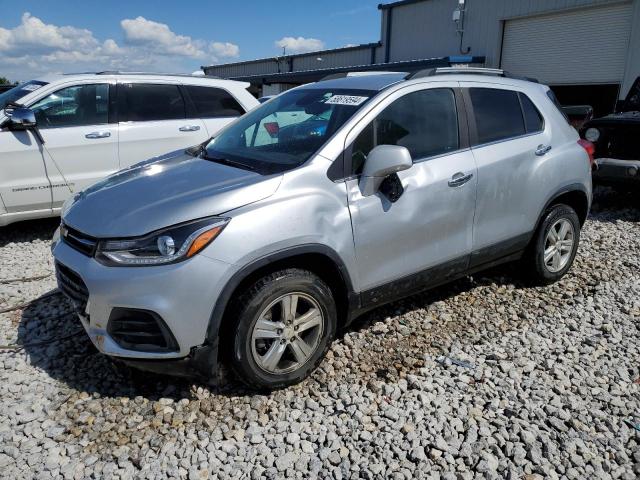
(63, 36)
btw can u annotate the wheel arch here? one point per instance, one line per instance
(576, 196)
(317, 258)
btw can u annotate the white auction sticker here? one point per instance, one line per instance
(346, 100)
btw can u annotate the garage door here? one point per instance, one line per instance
(577, 47)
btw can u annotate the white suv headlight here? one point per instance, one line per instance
(169, 245)
(592, 134)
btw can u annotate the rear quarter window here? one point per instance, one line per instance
(213, 102)
(534, 122)
(556, 103)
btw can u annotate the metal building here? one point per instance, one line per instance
(588, 50)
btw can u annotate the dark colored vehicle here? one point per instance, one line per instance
(578, 115)
(5, 87)
(616, 146)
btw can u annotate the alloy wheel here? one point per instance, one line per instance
(558, 245)
(287, 333)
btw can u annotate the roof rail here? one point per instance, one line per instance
(118, 72)
(333, 76)
(466, 70)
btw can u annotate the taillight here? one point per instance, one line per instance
(590, 148)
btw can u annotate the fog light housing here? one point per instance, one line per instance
(140, 330)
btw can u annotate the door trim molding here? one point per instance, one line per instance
(493, 255)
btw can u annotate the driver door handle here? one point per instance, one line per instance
(93, 135)
(189, 128)
(460, 179)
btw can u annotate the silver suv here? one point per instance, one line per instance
(324, 202)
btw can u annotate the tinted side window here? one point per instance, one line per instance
(532, 118)
(497, 113)
(425, 122)
(140, 102)
(214, 102)
(74, 106)
(556, 103)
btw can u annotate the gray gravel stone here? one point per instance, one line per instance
(553, 383)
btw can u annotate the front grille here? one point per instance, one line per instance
(78, 240)
(140, 330)
(72, 287)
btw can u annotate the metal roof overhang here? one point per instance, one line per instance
(307, 76)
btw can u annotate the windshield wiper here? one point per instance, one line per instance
(226, 161)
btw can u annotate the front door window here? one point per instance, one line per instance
(74, 107)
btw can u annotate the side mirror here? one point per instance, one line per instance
(382, 161)
(22, 119)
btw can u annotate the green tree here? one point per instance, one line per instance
(4, 81)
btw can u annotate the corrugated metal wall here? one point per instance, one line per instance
(426, 29)
(296, 63)
(604, 29)
(245, 68)
(344, 58)
(632, 69)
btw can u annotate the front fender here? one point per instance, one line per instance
(236, 279)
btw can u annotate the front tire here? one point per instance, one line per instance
(554, 245)
(283, 326)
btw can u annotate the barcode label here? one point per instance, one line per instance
(346, 100)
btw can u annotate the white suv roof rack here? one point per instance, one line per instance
(430, 72)
(118, 72)
(477, 70)
(356, 73)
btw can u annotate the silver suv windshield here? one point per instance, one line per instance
(284, 132)
(19, 91)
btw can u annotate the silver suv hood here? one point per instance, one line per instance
(164, 191)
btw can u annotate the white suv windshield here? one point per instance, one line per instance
(19, 91)
(286, 131)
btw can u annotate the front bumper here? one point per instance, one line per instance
(182, 295)
(201, 363)
(614, 171)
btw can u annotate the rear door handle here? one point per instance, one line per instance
(189, 128)
(542, 149)
(93, 135)
(460, 179)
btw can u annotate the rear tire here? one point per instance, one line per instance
(554, 245)
(283, 326)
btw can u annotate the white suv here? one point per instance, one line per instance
(61, 133)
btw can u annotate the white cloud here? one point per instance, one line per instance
(225, 50)
(35, 36)
(300, 44)
(35, 47)
(159, 38)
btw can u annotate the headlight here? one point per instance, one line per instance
(170, 245)
(592, 134)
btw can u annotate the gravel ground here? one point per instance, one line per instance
(550, 387)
